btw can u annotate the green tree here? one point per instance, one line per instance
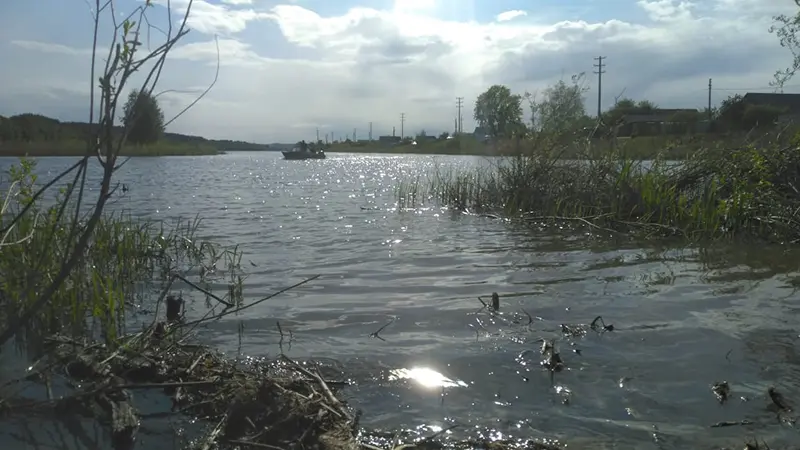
(499, 112)
(561, 108)
(143, 118)
(626, 106)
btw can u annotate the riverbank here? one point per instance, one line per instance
(648, 147)
(745, 192)
(78, 148)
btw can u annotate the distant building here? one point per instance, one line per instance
(789, 101)
(657, 121)
(389, 140)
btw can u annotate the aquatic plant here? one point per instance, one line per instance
(748, 191)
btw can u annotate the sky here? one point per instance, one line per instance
(289, 68)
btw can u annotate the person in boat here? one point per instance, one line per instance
(303, 146)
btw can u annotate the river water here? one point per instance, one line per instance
(683, 317)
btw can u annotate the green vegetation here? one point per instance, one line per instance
(143, 118)
(641, 147)
(745, 192)
(123, 252)
(37, 135)
(78, 148)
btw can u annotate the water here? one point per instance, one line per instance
(683, 318)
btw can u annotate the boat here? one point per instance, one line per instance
(297, 153)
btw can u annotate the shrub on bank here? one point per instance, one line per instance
(124, 258)
(752, 191)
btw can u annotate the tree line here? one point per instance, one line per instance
(141, 112)
(560, 109)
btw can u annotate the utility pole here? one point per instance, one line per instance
(354, 134)
(599, 73)
(317, 134)
(370, 131)
(402, 125)
(460, 124)
(709, 100)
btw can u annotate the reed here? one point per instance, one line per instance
(749, 191)
(124, 260)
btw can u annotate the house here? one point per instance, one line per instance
(655, 122)
(389, 140)
(789, 101)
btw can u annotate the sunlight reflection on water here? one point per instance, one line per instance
(425, 377)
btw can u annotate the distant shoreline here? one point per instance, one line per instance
(72, 149)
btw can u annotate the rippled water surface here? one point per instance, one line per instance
(683, 319)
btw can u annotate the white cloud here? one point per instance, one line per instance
(48, 47)
(238, 2)
(296, 69)
(510, 15)
(668, 10)
(211, 18)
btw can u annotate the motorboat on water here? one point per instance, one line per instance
(304, 153)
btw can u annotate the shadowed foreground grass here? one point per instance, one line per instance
(745, 192)
(78, 148)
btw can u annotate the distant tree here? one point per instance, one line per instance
(626, 106)
(645, 106)
(444, 135)
(143, 117)
(561, 108)
(499, 112)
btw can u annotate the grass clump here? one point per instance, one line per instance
(749, 191)
(123, 259)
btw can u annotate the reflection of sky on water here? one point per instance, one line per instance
(425, 377)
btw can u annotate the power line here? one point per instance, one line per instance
(460, 124)
(402, 125)
(599, 73)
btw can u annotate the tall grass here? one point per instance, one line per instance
(752, 191)
(125, 262)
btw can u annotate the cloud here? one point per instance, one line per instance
(48, 47)
(286, 69)
(667, 10)
(510, 15)
(211, 18)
